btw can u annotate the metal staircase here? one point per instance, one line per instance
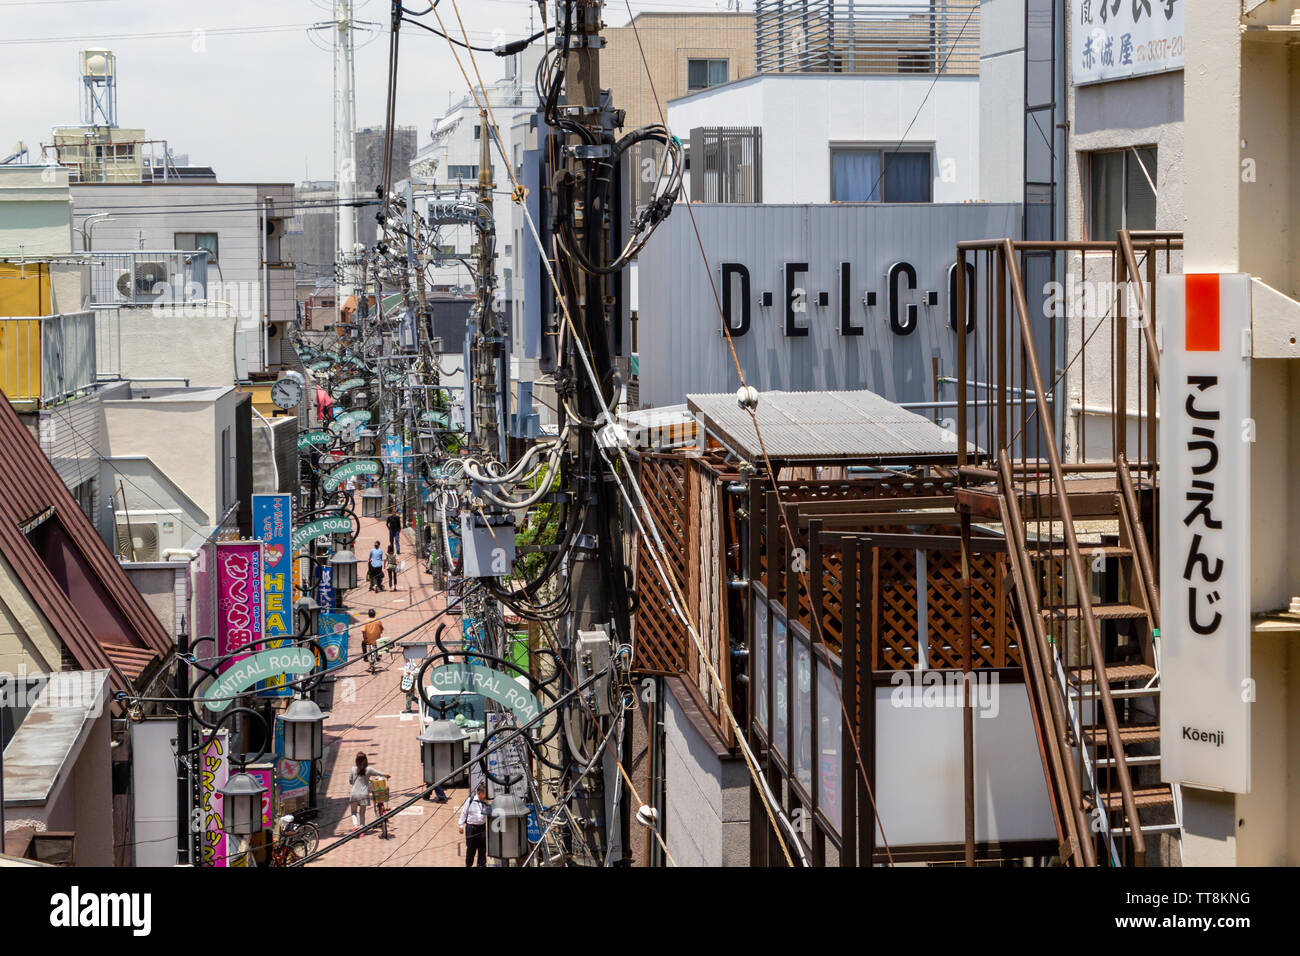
(1080, 536)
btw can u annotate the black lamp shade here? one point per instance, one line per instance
(442, 750)
(372, 503)
(304, 723)
(507, 832)
(344, 564)
(308, 612)
(242, 805)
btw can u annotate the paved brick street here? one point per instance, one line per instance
(368, 716)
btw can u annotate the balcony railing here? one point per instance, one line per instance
(48, 358)
(145, 278)
(847, 36)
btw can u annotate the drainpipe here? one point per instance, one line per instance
(270, 445)
(266, 287)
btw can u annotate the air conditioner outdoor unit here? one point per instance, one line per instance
(142, 281)
(145, 535)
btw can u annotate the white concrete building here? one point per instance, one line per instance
(826, 135)
(240, 225)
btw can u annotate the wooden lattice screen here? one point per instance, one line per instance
(659, 637)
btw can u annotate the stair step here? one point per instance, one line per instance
(1086, 549)
(1150, 828)
(1146, 760)
(1144, 734)
(1114, 672)
(1103, 612)
(1115, 692)
(1143, 798)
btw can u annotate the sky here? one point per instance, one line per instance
(257, 104)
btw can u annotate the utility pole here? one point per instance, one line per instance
(598, 562)
(488, 344)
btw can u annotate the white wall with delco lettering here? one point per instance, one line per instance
(805, 115)
(830, 297)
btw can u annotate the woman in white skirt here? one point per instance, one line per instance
(359, 797)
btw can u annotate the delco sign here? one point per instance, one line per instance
(334, 524)
(1206, 432)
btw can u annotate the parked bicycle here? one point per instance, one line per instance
(297, 841)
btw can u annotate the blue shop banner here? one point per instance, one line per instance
(273, 524)
(332, 636)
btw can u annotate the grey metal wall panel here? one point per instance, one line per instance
(682, 348)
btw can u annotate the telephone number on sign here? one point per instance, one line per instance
(1166, 48)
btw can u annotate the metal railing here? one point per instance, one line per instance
(1085, 312)
(847, 36)
(727, 164)
(147, 277)
(44, 359)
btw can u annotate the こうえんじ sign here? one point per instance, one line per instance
(1205, 444)
(239, 597)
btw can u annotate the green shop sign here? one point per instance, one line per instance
(308, 439)
(433, 415)
(494, 685)
(259, 667)
(349, 385)
(320, 366)
(366, 466)
(334, 524)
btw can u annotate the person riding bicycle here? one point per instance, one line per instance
(370, 635)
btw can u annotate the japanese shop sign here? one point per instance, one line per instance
(1117, 39)
(293, 776)
(214, 771)
(272, 522)
(1205, 445)
(239, 597)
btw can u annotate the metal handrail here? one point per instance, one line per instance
(1148, 324)
(1150, 587)
(1040, 651)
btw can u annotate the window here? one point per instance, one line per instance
(196, 241)
(856, 175)
(701, 74)
(1120, 194)
(462, 172)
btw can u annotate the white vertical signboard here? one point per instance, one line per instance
(1205, 445)
(1118, 39)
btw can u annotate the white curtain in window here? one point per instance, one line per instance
(855, 175)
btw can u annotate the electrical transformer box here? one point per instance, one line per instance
(488, 546)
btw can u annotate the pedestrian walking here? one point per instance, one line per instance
(376, 568)
(395, 531)
(473, 823)
(370, 635)
(351, 486)
(390, 562)
(359, 796)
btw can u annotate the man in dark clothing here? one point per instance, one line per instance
(395, 531)
(473, 823)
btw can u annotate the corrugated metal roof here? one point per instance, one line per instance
(824, 426)
(131, 661)
(32, 486)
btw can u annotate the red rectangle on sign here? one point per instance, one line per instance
(1201, 327)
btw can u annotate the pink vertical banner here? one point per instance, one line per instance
(239, 598)
(214, 771)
